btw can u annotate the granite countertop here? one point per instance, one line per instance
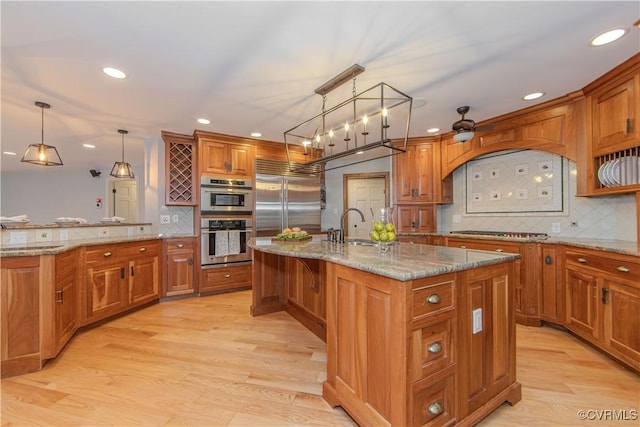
(402, 262)
(29, 226)
(56, 247)
(614, 246)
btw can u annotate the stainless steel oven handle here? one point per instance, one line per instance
(205, 231)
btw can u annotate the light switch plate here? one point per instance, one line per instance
(175, 218)
(555, 227)
(64, 235)
(477, 320)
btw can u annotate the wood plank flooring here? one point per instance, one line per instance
(207, 362)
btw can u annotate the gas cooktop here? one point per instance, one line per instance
(519, 234)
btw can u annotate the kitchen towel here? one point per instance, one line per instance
(17, 218)
(222, 243)
(234, 242)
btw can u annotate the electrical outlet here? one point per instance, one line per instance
(165, 219)
(477, 320)
(16, 237)
(104, 232)
(175, 218)
(555, 227)
(44, 236)
(456, 219)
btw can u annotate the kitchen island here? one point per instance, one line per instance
(420, 335)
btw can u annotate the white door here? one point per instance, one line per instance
(364, 194)
(124, 200)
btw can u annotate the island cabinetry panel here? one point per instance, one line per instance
(226, 158)
(119, 277)
(225, 278)
(60, 304)
(417, 177)
(179, 255)
(552, 295)
(416, 218)
(527, 274)
(603, 302)
(20, 288)
(180, 170)
(306, 296)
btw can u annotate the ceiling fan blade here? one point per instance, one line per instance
(484, 128)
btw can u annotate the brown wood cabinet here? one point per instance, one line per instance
(552, 292)
(527, 274)
(119, 277)
(221, 158)
(179, 256)
(306, 294)
(180, 170)
(416, 174)
(228, 277)
(416, 218)
(603, 301)
(20, 315)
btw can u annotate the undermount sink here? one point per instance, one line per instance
(360, 242)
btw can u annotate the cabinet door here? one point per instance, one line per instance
(403, 166)
(106, 291)
(582, 302)
(179, 272)
(143, 280)
(214, 158)
(305, 285)
(415, 218)
(425, 218)
(615, 125)
(552, 307)
(621, 304)
(424, 174)
(241, 160)
(66, 298)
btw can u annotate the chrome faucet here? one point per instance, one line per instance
(344, 213)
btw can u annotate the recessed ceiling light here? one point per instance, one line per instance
(88, 145)
(433, 130)
(608, 37)
(204, 121)
(9, 153)
(532, 96)
(114, 72)
(256, 134)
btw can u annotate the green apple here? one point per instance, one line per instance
(384, 236)
(378, 226)
(390, 227)
(374, 235)
(391, 236)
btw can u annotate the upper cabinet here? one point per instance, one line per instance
(180, 169)
(223, 155)
(612, 158)
(416, 174)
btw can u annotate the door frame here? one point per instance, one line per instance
(369, 175)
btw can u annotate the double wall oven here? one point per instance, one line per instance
(226, 224)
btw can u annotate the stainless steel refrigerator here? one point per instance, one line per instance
(286, 199)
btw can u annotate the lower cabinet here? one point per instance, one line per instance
(552, 289)
(306, 294)
(179, 256)
(416, 218)
(225, 278)
(603, 302)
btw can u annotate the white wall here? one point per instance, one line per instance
(46, 193)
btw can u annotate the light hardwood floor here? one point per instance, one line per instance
(207, 362)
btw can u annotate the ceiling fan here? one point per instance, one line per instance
(465, 128)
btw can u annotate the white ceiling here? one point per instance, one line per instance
(254, 66)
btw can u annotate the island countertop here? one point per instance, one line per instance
(402, 261)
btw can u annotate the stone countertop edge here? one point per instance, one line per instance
(402, 262)
(56, 247)
(74, 225)
(622, 247)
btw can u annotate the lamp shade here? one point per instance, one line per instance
(42, 154)
(463, 136)
(122, 170)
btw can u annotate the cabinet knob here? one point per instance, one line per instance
(190, 262)
(180, 246)
(107, 254)
(433, 299)
(582, 260)
(499, 250)
(463, 247)
(227, 275)
(143, 249)
(436, 408)
(435, 347)
(622, 269)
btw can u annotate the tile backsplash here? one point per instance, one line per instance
(42, 235)
(611, 217)
(181, 220)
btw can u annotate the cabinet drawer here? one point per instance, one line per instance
(432, 299)
(100, 254)
(485, 245)
(621, 267)
(145, 248)
(433, 404)
(176, 244)
(432, 349)
(224, 278)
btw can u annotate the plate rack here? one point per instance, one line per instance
(619, 169)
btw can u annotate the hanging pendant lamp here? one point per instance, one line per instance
(122, 169)
(42, 154)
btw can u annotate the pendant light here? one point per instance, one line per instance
(122, 169)
(42, 154)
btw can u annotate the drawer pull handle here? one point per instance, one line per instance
(436, 408)
(180, 246)
(60, 293)
(107, 254)
(227, 275)
(582, 260)
(499, 250)
(622, 269)
(463, 247)
(143, 249)
(433, 299)
(435, 347)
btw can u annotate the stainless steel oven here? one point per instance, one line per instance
(222, 196)
(224, 240)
